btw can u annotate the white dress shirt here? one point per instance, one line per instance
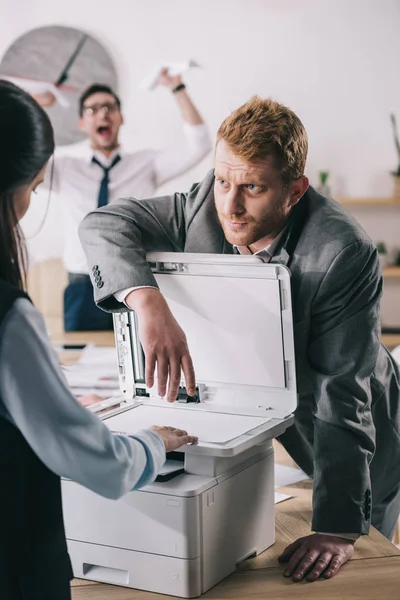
(68, 438)
(137, 175)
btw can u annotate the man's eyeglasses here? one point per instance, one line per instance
(107, 107)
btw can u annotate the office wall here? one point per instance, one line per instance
(335, 62)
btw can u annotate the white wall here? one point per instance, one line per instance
(334, 62)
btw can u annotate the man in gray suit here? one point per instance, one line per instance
(257, 200)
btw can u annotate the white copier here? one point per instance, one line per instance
(212, 506)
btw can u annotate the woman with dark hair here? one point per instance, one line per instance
(44, 432)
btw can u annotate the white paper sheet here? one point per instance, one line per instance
(174, 68)
(281, 497)
(287, 475)
(86, 391)
(219, 333)
(210, 427)
(96, 372)
(36, 86)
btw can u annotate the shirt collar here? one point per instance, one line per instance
(267, 252)
(104, 160)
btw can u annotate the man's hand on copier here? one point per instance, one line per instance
(174, 438)
(164, 343)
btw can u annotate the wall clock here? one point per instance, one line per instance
(65, 56)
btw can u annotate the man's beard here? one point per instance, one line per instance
(268, 225)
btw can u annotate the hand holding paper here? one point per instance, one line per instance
(40, 89)
(173, 69)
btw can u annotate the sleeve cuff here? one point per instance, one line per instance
(155, 452)
(122, 294)
(347, 536)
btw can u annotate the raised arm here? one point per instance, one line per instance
(177, 160)
(188, 110)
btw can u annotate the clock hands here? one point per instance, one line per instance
(64, 73)
(37, 86)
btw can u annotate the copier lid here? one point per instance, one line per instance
(237, 316)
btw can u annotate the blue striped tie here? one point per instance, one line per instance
(103, 191)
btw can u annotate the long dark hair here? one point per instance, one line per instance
(26, 144)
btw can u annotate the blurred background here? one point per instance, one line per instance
(334, 62)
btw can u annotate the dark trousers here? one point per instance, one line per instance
(26, 578)
(46, 590)
(80, 310)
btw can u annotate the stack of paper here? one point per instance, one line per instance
(96, 372)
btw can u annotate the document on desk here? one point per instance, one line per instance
(94, 373)
(212, 427)
(279, 497)
(288, 475)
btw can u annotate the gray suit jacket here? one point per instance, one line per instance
(347, 424)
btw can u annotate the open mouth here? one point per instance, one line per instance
(104, 130)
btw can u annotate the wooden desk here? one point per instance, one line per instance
(98, 338)
(372, 574)
(374, 579)
(78, 338)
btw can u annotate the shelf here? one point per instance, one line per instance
(394, 201)
(391, 271)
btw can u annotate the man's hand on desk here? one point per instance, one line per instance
(316, 555)
(164, 343)
(174, 438)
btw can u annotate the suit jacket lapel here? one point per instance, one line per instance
(284, 252)
(227, 248)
